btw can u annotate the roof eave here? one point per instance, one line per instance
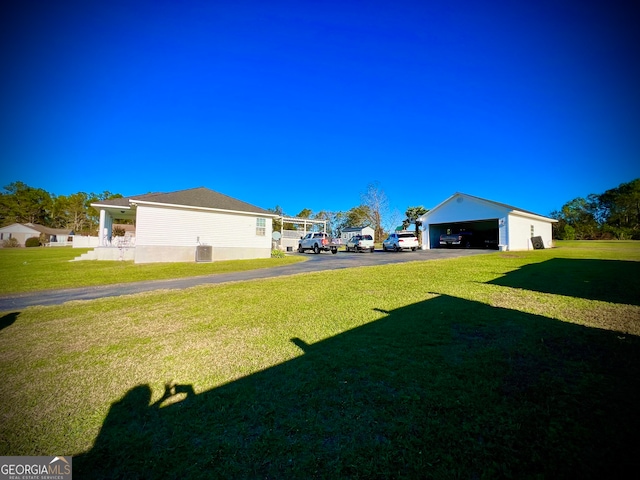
(209, 209)
(116, 207)
(533, 215)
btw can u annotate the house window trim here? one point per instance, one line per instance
(261, 227)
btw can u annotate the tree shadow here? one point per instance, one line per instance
(8, 319)
(422, 392)
(613, 281)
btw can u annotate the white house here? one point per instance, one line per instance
(23, 231)
(349, 232)
(499, 224)
(177, 226)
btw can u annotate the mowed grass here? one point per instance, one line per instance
(505, 365)
(33, 269)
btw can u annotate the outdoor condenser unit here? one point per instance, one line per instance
(204, 253)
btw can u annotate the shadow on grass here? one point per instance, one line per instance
(613, 281)
(423, 392)
(8, 319)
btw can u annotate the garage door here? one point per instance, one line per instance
(484, 232)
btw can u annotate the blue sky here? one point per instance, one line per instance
(302, 104)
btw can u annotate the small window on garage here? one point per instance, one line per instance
(261, 227)
(532, 232)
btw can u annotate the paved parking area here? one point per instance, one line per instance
(314, 263)
(351, 259)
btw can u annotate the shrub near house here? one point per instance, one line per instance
(32, 242)
(10, 243)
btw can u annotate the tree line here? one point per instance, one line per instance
(20, 203)
(614, 214)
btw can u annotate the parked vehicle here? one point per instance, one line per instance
(460, 239)
(318, 242)
(401, 241)
(360, 243)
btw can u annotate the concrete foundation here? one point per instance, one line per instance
(107, 253)
(163, 254)
(158, 254)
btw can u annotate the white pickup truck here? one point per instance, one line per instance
(318, 242)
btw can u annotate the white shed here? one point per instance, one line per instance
(349, 232)
(185, 226)
(494, 225)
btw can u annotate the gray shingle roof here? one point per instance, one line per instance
(49, 230)
(123, 201)
(193, 197)
(354, 229)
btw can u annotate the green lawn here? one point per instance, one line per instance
(505, 365)
(33, 269)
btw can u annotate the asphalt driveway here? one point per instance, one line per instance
(314, 263)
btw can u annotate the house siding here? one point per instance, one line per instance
(171, 234)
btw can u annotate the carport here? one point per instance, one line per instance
(293, 229)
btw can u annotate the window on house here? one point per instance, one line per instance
(261, 227)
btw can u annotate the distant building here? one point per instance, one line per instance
(49, 236)
(349, 232)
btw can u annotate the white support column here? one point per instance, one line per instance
(503, 233)
(104, 230)
(101, 228)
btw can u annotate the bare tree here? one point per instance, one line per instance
(393, 221)
(376, 201)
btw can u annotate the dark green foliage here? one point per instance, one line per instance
(32, 242)
(612, 214)
(413, 214)
(20, 203)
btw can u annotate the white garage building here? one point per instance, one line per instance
(496, 225)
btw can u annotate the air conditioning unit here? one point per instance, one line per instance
(204, 253)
